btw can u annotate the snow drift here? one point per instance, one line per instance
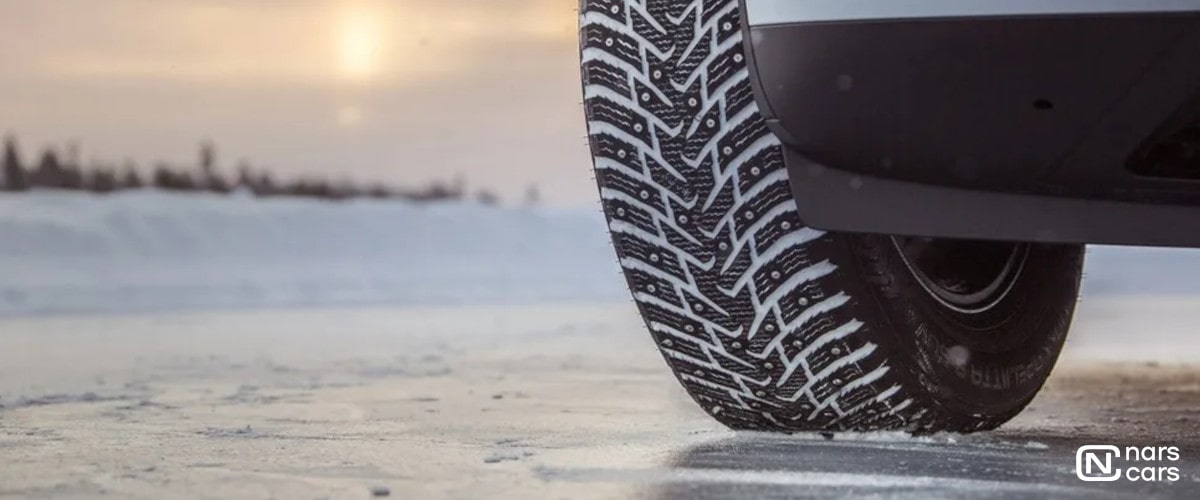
(63, 252)
(69, 253)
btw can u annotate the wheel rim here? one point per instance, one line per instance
(969, 277)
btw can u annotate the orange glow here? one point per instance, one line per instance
(361, 40)
(328, 42)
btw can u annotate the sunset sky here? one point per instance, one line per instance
(397, 90)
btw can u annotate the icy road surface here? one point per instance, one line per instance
(563, 401)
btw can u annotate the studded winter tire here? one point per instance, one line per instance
(768, 324)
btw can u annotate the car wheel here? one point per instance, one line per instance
(768, 324)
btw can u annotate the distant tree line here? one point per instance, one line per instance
(51, 171)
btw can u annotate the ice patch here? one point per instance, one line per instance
(695, 477)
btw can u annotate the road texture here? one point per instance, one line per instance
(552, 401)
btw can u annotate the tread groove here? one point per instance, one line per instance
(742, 299)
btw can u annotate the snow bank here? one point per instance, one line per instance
(71, 253)
(66, 252)
(1142, 271)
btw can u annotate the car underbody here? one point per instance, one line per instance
(1063, 121)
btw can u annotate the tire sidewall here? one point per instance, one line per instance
(925, 338)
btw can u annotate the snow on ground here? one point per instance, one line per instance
(1142, 271)
(63, 252)
(504, 400)
(148, 251)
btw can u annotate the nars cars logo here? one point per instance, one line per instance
(1142, 463)
(1095, 463)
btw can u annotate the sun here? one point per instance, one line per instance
(361, 42)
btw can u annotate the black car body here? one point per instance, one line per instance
(1070, 121)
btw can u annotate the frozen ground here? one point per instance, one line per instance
(67, 253)
(163, 347)
(63, 252)
(563, 401)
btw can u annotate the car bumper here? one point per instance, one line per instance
(768, 12)
(1016, 120)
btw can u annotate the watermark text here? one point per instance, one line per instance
(1129, 463)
